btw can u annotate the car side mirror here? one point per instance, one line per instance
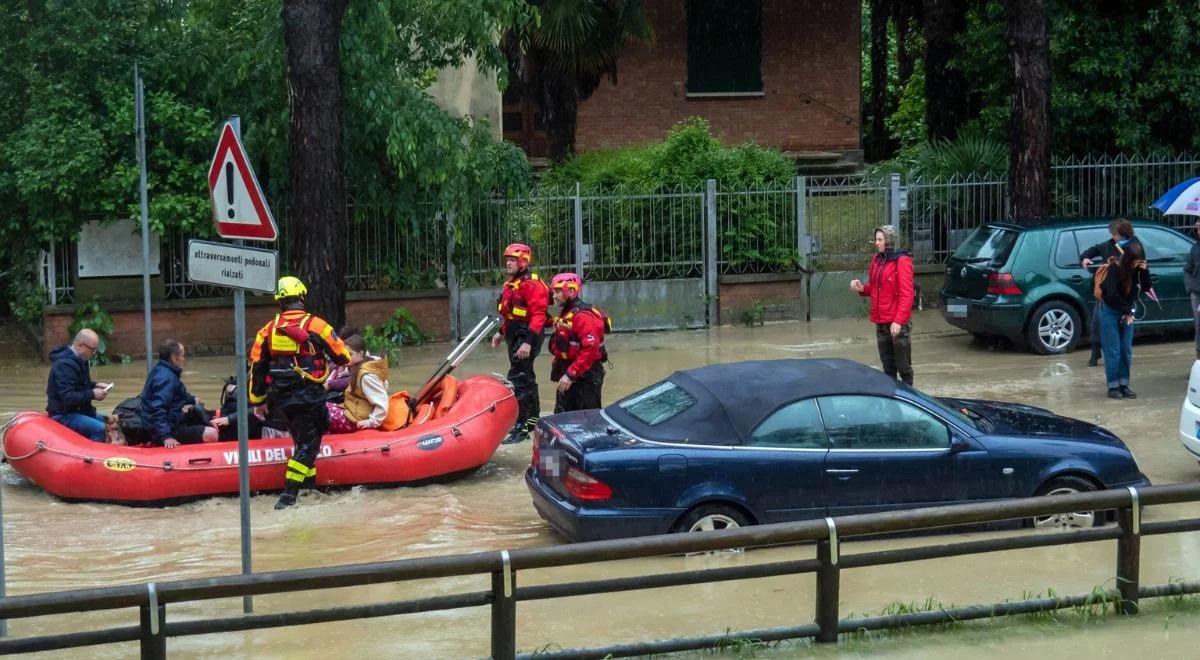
(958, 444)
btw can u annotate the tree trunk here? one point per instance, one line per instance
(1029, 147)
(903, 11)
(945, 87)
(879, 80)
(559, 107)
(312, 32)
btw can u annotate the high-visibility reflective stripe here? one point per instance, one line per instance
(520, 311)
(294, 476)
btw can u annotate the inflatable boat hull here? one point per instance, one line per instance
(72, 467)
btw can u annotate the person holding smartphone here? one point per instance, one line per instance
(70, 389)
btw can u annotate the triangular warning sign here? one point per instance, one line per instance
(239, 208)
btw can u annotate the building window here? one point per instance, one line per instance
(724, 47)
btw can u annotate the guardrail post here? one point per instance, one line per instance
(828, 586)
(1129, 554)
(153, 616)
(504, 611)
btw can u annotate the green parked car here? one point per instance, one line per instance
(1026, 283)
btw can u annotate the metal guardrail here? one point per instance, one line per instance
(830, 535)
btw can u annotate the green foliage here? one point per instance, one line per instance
(67, 149)
(753, 315)
(400, 330)
(686, 159)
(690, 155)
(907, 123)
(93, 316)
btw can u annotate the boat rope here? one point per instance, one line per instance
(168, 466)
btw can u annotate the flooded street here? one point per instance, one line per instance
(53, 545)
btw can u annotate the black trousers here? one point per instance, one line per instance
(895, 352)
(584, 393)
(307, 422)
(524, 380)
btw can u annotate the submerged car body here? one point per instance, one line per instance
(771, 441)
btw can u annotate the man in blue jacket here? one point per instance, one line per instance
(172, 415)
(70, 389)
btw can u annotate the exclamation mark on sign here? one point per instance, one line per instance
(229, 187)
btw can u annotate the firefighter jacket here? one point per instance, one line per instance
(578, 337)
(522, 305)
(292, 352)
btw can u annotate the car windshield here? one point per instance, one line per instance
(987, 244)
(968, 418)
(658, 403)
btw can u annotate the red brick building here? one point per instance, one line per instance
(782, 73)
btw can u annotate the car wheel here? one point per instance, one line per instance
(708, 517)
(1053, 328)
(1076, 520)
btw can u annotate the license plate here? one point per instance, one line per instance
(956, 308)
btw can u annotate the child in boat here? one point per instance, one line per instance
(366, 398)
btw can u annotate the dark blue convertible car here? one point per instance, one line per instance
(767, 441)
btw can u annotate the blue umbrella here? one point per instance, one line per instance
(1183, 199)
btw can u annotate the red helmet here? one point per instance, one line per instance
(569, 284)
(520, 252)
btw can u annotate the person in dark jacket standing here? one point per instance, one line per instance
(70, 389)
(1093, 256)
(1191, 278)
(170, 414)
(890, 288)
(523, 302)
(1125, 278)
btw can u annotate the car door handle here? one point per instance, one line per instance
(837, 471)
(1076, 279)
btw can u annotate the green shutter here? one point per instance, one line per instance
(724, 46)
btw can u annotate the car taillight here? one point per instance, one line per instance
(537, 452)
(586, 487)
(1003, 284)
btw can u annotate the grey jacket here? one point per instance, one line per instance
(1191, 271)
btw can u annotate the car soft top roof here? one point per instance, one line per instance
(731, 399)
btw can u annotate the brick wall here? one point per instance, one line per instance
(809, 47)
(782, 298)
(206, 326)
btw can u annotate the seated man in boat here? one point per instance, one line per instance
(366, 396)
(172, 415)
(70, 389)
(270, 425)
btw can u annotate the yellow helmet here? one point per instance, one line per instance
(290, 287)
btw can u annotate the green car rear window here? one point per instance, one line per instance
(987, 244)
(658, 404)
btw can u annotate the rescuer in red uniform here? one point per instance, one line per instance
(522, 305)
(577, 346)
(288, 366)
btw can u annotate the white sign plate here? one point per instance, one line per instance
(235, 266)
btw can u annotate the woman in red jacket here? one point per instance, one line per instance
(890, 288)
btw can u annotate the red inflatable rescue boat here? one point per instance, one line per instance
(72, 467)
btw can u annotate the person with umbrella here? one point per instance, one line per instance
(1184, 199)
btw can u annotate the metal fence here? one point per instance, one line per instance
(831, 535)
(614, 234)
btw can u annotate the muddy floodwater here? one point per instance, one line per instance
(53, 545)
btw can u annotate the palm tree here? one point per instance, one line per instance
(560, 60)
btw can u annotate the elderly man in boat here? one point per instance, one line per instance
(70, 389)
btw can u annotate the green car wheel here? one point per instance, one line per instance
(1054, 328)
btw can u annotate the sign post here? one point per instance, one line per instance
(239, 211)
